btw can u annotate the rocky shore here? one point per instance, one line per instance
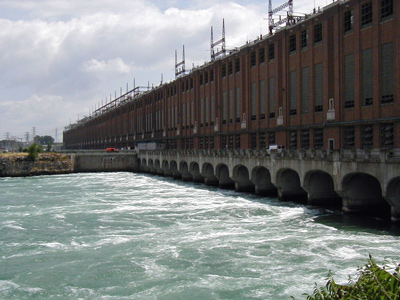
(20, 165)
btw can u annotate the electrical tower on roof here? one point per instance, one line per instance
(214, 54)
(180, 67)
(289, 20)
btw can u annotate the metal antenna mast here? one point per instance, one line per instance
(179, 67)
(214, 54)
(289, 20)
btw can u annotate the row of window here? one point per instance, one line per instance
(232, 67)
(296, 138)
(366, 16)
(231, 99)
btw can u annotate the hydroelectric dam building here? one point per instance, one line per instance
(326, 86)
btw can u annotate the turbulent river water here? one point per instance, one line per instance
(134, 236)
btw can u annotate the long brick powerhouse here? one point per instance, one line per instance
(328, 81)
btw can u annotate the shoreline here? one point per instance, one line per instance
(19, 165)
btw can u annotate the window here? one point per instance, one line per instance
(230, 141)
(212, 75)
(272, 97)
(207, 111)
(367, 77)
(386, 9)
(261, 140)
(191, 83)
(293, 140)
(387, 73)
(317, 33)
(262, 99)
(254, 101)
(293, 93)
(212, 109)
(253, 140)
(231, 106)
(366, 14)
(230, 68)
(348, 21)
(183, 114)
(348, 137)
(201, 112)
(318, 88)
(262, 55)
(223, 71)
(387, 135)
(201, 79)
(349, 81)
(238, 104)
(271, 138)
(237, 65)
(366, 137)
(253, 59)
(224, 107)
(271, 51)
(305, 90)
(206, 77)
(318, 138)
(237, 141)
(304, 39)
(292, 43)
(305, 138)
(223, 142)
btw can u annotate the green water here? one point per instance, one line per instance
(132, 236)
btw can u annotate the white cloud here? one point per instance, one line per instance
(116, 65)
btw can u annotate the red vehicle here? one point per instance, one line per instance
(111, 150)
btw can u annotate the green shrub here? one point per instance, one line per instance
(373, 283)
(33, 152)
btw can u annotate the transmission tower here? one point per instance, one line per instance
(180, 67)
(215, 54)
(289, 20)
(27, 137)
(33, 133)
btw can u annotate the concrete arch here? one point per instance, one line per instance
(165, 168)
(157, 167)
(143, 165)
(208, 174)
(222, 173)
(393, 197)
(242, 179)
(174, 169)
(288, 185)
(138, 165)
(362, 193)
(150, 166)
(321, 189)
(184, 170)
(194, 169)
(261, 177)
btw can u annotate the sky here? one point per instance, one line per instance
(59, 59)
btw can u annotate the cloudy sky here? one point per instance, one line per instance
(61, 58)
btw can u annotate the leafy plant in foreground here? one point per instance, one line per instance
(374, 283)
